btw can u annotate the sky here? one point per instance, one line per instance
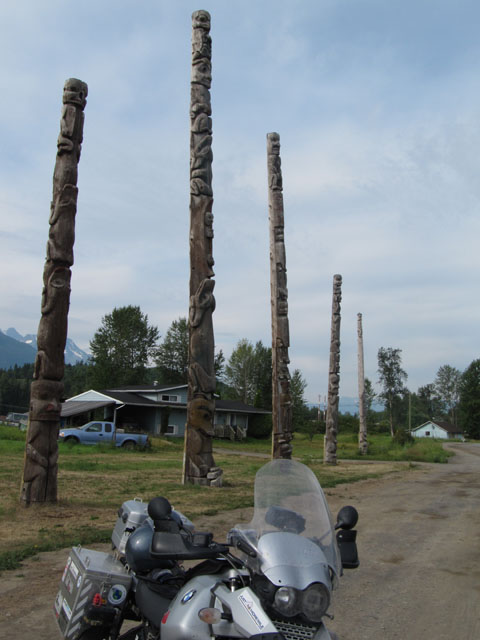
(378, 109)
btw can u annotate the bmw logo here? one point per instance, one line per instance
(188, 596)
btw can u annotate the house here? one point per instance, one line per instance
(436, 429)
(155, 409)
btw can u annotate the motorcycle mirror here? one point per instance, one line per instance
(159, 509)
(347, 518)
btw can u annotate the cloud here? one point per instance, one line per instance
(375, 104)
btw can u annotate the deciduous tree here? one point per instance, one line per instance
(391, 377)
(122, 347)
(447, 389)
(248, 374)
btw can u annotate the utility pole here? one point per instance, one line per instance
(331, 426)
(281, 396)
(40, 469)
(198, 465)
(409, 412)
(362, 433)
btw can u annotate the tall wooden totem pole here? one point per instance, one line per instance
(281, 397)
(199, 466)
(41, 452)
(362, 432)
(331, 427)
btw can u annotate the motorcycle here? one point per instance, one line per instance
(273, 580)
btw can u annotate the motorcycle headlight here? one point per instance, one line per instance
(286, 601)
(315, 601)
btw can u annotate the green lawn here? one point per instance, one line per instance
(94, 481)
(380, 447)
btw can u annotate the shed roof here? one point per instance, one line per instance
(74, 408)
(237, 406)
(128, 396)
(131, 398)
(447, 426)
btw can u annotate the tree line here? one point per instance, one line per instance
(126, 350)
(453, 396)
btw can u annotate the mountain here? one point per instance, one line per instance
(14, 352)
(347, 404)
(73, 353)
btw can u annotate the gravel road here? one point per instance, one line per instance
(419, 547)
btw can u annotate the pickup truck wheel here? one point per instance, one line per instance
(129, 444)
(71, 440)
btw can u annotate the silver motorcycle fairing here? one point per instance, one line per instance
(249, 617)
(287, 559)
(183, 622)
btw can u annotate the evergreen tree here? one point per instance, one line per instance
(172, 355)
(301, 413)
(470, 400)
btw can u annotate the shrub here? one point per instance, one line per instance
(403, 437)
(260, 426)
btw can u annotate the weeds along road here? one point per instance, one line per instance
(419, 548)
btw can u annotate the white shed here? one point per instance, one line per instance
(435, 429)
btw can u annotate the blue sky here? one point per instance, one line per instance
(377, 106)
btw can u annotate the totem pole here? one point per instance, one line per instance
(41, 452)
(330, 451)
(199, 466)
(362, 432)
(281, 397)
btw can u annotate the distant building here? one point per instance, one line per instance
(155, 409)
(436, 429)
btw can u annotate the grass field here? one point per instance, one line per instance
(94, 481)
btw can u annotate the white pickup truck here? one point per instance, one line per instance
(97, 431)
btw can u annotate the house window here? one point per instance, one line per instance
(427, 433)
(167, 398)
(171, 430)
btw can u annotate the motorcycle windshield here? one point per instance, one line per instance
(289, 499)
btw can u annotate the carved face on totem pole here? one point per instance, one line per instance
(75, 92)
(202, 72)
(44, 400)
(201, 20)
(273, 144)
(201, 414)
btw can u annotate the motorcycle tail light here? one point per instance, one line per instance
(210, 615)
(97, 600)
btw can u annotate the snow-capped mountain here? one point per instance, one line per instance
(73, 353)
